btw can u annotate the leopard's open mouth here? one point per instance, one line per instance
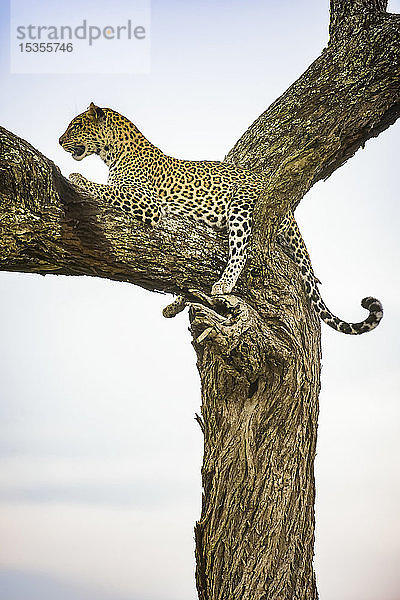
(78, 152)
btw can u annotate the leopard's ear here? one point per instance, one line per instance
(95, 112)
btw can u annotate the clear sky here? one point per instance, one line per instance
(100, 453)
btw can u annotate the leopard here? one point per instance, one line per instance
(147, 184)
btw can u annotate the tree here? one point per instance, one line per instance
(259, 352)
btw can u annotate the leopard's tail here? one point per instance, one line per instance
(291, 238)
(371, 304)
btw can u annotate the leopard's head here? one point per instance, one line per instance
(86, 133)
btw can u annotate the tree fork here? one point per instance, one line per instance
(258, 352)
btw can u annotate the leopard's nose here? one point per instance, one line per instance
(60, 141)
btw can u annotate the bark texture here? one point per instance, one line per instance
(258, 352)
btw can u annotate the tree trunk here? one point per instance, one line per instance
(259, 351)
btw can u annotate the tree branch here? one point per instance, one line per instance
(341, 9)
(350, 94)
(46, 226)
(347, 15)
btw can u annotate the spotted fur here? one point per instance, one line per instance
(146, 183)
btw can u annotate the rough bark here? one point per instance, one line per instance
(258, 352)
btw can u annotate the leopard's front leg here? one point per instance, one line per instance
(239, 229)
(138, 200)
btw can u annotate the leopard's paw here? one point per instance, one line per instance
(220, 288)
(78, 179)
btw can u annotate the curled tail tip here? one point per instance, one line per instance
(373, 305)
(375, 308)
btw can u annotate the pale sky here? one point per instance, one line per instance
(100, 454)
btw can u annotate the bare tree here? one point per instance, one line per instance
(258, 353)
